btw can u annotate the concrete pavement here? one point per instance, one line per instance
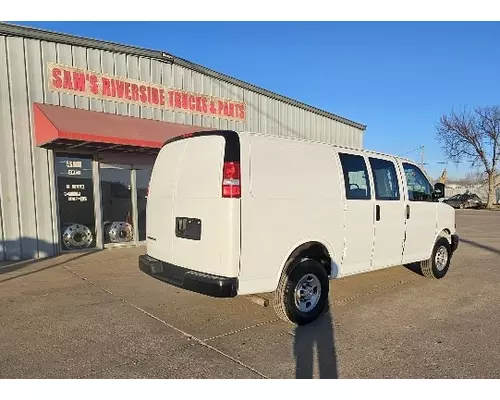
(97, 316)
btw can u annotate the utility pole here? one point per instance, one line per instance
(422, 156)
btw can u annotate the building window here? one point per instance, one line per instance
(356, 181)
(76, 201)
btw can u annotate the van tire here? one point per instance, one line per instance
(429, 268)
(284, 296)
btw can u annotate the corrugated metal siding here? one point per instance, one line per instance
(8, 194)
(40, 157)
(24, 168)
(2, 250)
(28, 209)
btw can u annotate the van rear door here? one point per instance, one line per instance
(160, 205)
(197, 227)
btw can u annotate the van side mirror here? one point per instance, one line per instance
(439, 190)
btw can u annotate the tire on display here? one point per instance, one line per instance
(439, 263)
(302, 292)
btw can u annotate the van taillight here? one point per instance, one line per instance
(231, 187)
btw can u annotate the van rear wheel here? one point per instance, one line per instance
(439, 263)
(302, 292)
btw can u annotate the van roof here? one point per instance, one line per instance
(231, 132)
(373, 152)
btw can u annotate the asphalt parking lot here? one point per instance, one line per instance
(97, 316)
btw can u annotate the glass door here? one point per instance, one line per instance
(75, 193)
(142, 183)
(117, 207)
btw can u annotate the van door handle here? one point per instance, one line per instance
(377, 212)
(407, 211)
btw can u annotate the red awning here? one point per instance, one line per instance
(65, 128)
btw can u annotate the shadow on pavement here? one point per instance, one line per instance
(414, 267)
(481, 246)
(316, 335)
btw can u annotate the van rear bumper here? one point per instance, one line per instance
(194, 281)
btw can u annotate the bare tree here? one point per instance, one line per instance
(474, 179)
(473, 136)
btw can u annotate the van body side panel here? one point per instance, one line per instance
(420, 232)
(160, 205)
(290, 196)
(445, 219)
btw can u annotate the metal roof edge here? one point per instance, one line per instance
(50, 36)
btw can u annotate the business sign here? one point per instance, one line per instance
(82, 82)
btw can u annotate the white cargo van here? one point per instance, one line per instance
(237, 213)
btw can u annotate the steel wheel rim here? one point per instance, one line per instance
(441, 258)
(307, 293)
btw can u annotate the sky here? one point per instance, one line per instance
(397, 78)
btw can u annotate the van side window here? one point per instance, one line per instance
(385, 178)
(356, 181)
(419, 188)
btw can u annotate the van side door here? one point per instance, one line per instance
(358, 213)
(389, 212)
(421, 215)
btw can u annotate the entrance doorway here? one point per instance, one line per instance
(123, 197)
(116, 202)
(75, 193)
(142, 177)
(101, 208)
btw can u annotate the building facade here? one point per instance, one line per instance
(81, 122)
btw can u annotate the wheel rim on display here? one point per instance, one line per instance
(441, 258)
(120, 232)
(307, 293)
(77, 236)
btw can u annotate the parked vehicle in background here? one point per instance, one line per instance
(465, 200)
(238, 213)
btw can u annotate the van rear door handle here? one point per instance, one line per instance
(407, 211)
(377, 212)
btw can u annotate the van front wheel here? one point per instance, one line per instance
(439, 263)
(302, 292)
